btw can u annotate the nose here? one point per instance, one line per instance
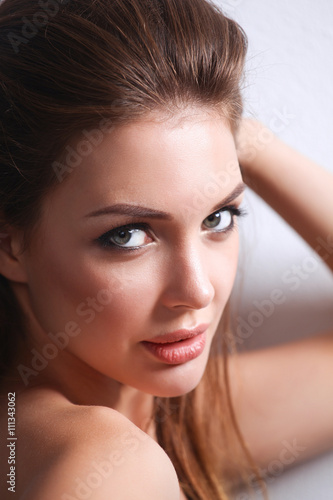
(188, 284)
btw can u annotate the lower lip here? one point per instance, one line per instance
(180, 352)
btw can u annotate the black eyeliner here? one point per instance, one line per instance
(104, 239)
(236, 212)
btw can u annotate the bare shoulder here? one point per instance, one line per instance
(69, 452)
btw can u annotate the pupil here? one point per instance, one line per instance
(213, 220)
(122, 237)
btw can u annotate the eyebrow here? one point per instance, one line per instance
(140, 211)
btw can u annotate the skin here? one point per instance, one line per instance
(99, 389)
(284, 393)
(180, 277)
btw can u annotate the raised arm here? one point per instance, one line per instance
(297, 188)
(284, 395)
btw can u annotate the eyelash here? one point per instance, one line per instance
(105, 242)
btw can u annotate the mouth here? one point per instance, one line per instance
(178, 347)
(179, 335)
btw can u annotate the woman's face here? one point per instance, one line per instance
(173, 187)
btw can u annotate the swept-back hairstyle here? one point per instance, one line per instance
(66, 65)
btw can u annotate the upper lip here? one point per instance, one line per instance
(182, 334)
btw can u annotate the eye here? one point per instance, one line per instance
(223, 220)
(129, 237)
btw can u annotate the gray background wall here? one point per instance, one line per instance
(289, 87)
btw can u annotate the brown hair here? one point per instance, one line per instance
(64, 66)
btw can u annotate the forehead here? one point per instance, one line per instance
(153, 161)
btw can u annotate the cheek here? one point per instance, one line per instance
(97, 296)
(120, 301)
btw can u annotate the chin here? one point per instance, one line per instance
(177, 381)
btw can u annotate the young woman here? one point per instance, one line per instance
(123, 160)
